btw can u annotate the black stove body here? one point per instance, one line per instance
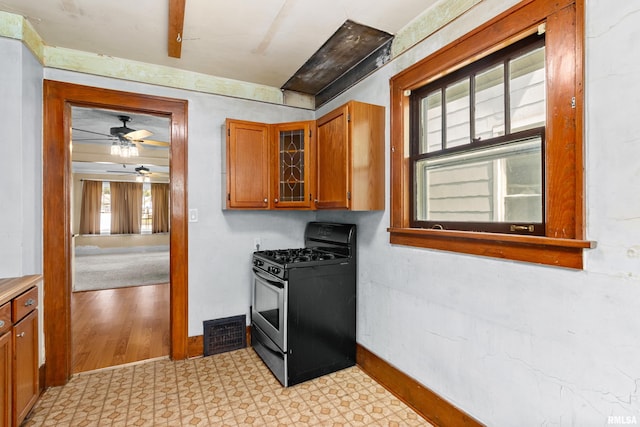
(303, 316)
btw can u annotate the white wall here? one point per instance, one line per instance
(20, 161)
(513, 343)
(510, 343)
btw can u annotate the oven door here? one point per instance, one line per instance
(270, 306)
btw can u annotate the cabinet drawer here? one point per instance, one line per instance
(5, 317)
(25, 303)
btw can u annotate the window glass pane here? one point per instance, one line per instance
(431, 123)
(147, 209)
(496, 184)
(458, 110)
(105, 208)
(527, 92)
(523, 187)
(489, 103)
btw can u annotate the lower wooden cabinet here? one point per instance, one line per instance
(25, 369)
(19, 388)
(5, 378)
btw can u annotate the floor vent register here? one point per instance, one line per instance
(222, 335)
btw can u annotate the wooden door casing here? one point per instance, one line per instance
(58, 97)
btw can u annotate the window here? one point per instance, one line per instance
(477, 138)
(514, 119)
(106, 213)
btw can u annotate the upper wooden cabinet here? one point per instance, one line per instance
(336, 162)
(350, 158)
(247, 165)
(293, 167)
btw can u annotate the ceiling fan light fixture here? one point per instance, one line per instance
(115, 148)
(133, 150)
(124, 148)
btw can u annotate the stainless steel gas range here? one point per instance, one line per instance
(303, 317)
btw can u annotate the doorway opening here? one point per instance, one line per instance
(120, 245)
(59, 100)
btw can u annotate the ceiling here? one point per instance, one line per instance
(297, 45)
(263, 42)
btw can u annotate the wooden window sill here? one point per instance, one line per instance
(535, 249)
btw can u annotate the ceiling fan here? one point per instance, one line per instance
(142, 173)
(122, 136)
(128, 133)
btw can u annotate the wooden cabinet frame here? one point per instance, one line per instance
(6, 375)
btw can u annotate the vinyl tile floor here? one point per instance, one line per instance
(228, 389)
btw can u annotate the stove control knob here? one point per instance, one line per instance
(258, 263)
(274, 270)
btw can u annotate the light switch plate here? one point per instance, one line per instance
(193, 215)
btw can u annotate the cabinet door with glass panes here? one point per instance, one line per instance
(293, 144)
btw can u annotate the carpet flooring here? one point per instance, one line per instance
(110, 271)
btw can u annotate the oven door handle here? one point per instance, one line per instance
(276, 283)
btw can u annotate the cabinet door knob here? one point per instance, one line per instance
(1, 323)
(29, 302)
(266, 200)
(20, 335)
(275, 200)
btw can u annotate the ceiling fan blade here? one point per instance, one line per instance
(176, 25)
(90, 131)
(152, 142)
(138, 134)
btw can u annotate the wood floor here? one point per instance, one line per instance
(117, 326)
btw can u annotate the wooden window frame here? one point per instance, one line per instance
(563, 243)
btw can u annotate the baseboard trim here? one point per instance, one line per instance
(422, 400)
(195, 344)
(42, 371)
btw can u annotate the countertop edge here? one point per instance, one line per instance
(14, 286)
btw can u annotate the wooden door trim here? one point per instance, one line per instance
(58, 99)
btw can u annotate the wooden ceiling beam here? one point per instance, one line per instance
(176, 25)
